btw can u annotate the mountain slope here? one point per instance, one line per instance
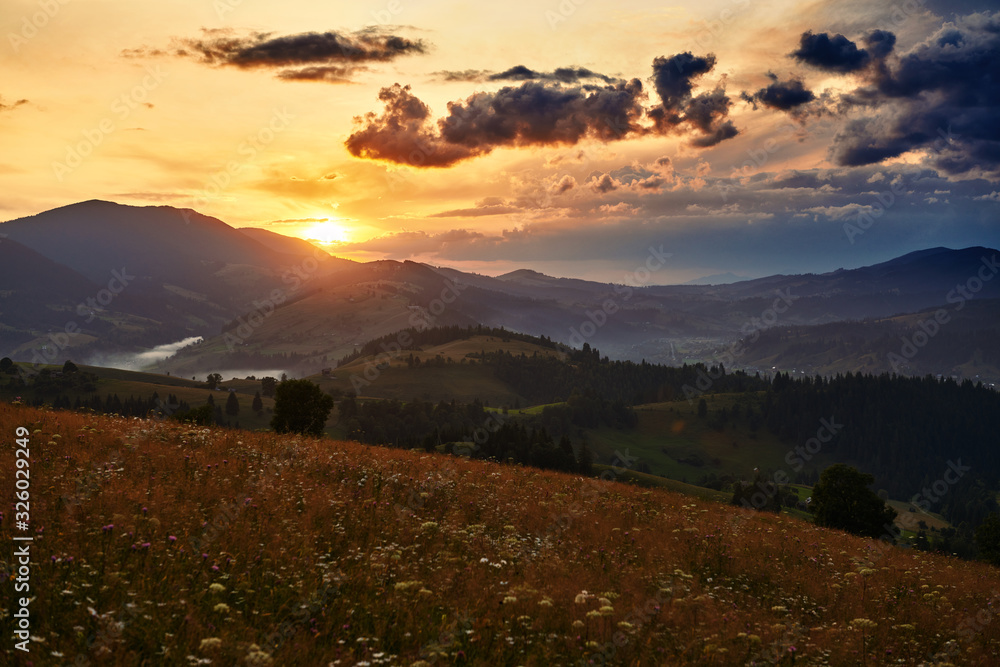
(403, 556)
(161, 244)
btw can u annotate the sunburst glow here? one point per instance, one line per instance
(327, 231)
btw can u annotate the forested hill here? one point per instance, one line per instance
(544, 377)
(919, 436)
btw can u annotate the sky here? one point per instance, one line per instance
(573, 137)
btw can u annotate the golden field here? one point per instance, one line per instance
(161, 544)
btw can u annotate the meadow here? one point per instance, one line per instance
(157, 543)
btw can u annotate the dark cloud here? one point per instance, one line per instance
(564, 184)
(531, 114)
(783, 96)
(327, 73)
(546, 109)
(834, 54)
(642, 179)
(523, 73)
(312, 56)
(564, 74)
(402, 134)
(880, 43)
(673, 80)
(488, 206)
(942, 96)
(13, 105)
(537, 114)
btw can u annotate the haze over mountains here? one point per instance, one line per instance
(129, 278)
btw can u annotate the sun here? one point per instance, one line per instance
(326, 231)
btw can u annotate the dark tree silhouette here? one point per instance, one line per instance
(232, 405)
(300, 407)
(258, 404)
(988, 539)
(841, 499)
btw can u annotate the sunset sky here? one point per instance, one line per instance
(749, 136)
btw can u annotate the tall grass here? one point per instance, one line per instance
(161, 544)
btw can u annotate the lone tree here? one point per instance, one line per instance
(300, 407)
(842, 500)
(988, 539)
(213, 380)
(761, 494)
(268, 385)
(258, 404)
(232, 405)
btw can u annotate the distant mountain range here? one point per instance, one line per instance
(717, 279)
(261, 299)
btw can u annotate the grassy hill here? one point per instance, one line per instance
(156, 542)
(392, 376)
(125, 383)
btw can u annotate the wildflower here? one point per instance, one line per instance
(222, 608)
(257, 656)
(863, 623)
(217, 588)
(510, 599)
(172, 538)
(209, 643)
(578, 624)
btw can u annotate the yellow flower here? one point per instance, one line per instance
(222, 608)
(209, 643)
